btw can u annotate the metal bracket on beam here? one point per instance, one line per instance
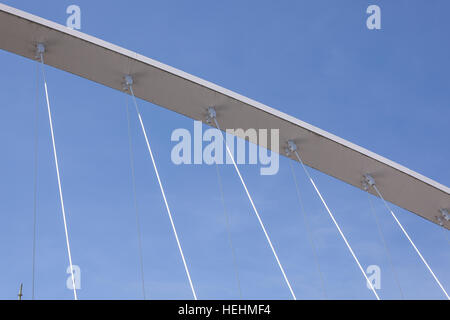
(368, 180)
(445, 214)
(292, 146)
(128, 82)
(287, 151)
(365, 185)
(211, 115)
(40, 50)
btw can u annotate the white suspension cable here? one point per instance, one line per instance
(41, 50)
(129, 84)
(293, 149)
(227, 226)
(36, 140)
(371, 182)
(212, 115)
(386, 248)
(308, 232)
(133, 182)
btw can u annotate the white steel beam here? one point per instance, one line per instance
(160, 84)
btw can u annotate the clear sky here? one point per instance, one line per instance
(386, 90)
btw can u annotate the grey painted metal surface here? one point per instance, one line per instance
(105, 63)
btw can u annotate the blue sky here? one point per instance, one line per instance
(385, 90)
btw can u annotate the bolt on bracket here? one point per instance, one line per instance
(128, 82)
(211, 115)
(445, 214)
(292, 146)
(369, 180)
(40, 49)
(287, 151)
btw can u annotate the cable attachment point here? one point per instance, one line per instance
(292, 146)
(368, 181)
(211, 115)
(287, 151)
(445, 214)
(128, 82)
(40, 50)
(365, 186)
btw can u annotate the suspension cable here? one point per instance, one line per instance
(41, 50)
(386, 248)
(133, 182)
(36, 131)
(308, 232)
(371, 182)
(212, 115)
(130, 87)
(293, 149)
(227, 226)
